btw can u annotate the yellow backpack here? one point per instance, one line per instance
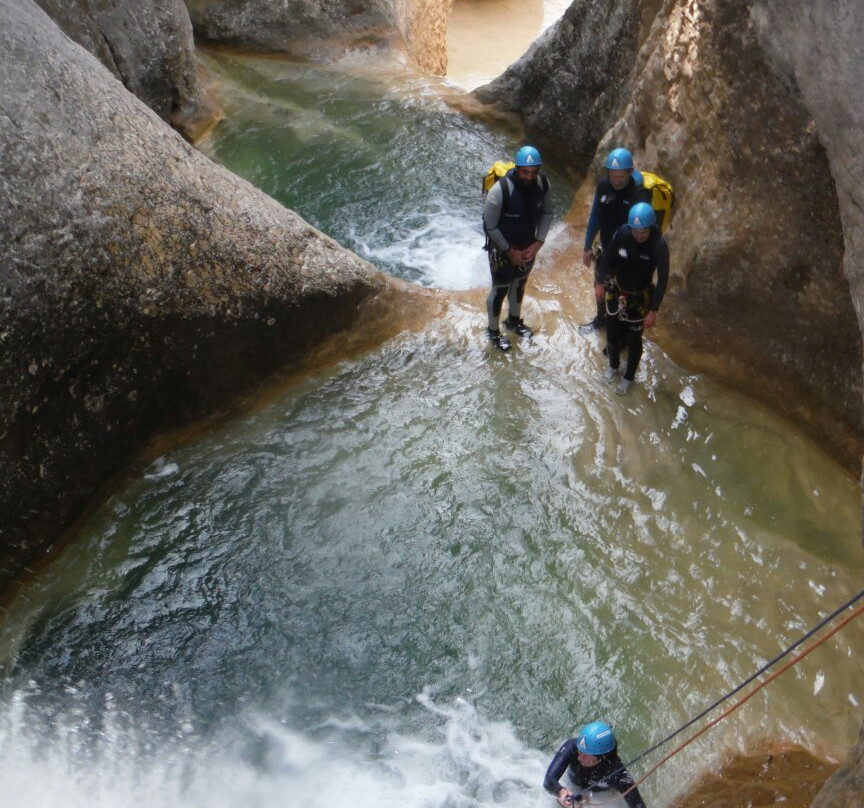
(499, 169)
(662, 197)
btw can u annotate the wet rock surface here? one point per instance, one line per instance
(325, 29)
(788, 777)
(845, 788)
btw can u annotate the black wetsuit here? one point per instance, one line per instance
(632, 266)
(610, 208)
(513, 216)
(608, 773)
(608, 212)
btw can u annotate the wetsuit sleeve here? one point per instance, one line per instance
(559, 764)
(604, 266)
(545, 217)
(661, 252)
(593, 220)
(492, 209)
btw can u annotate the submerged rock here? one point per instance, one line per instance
(141, 286)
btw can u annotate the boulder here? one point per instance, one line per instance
(326, 29)
(845, 788)
(148, 45)
(141, 285)
(573, 82)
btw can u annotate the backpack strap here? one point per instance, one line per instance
(505, 193)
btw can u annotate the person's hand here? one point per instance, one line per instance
(587, 257)
(530, 252)
(650, 319)
(565, 798)
(599, 291)
(515, 257)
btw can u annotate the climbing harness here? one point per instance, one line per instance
(622, 311)
(740, 702)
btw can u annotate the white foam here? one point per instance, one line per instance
(440, 756)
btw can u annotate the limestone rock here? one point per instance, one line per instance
(305, 28)
(845, 788)
(573, 83)
(141, 285)
(148, 45)
(324, 29)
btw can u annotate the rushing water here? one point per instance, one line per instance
(405, 580)
(371, 155)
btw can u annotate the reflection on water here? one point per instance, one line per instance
(407, 579)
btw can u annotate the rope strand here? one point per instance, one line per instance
(714, 721)
(746, 682)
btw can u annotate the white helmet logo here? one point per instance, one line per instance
(615, 163)
(637, 222)
(529, 160)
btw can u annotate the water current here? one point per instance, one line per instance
(405, 579)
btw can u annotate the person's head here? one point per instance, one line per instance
(619, 168)
(640, 219)
(593, 741)
(528, 164)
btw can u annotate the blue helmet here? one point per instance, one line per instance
(619, 159)
(528, 156)
(641, 215)
(596, 738)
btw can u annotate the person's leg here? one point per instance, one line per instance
(494, 303)
(500, 270)
(634, 350)
(515, 296)
(600, 318)
(614, 328)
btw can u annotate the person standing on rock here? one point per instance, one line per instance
(614, 195)
(517, 215)
(625, 285)
(592, 765)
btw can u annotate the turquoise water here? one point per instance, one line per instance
(370, 154)
(405, 580)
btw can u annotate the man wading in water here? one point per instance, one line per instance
(625, 279)
(613, 197)
(516, 217)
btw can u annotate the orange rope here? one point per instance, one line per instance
(794, 661)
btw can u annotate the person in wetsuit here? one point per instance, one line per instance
(592, 764)
(517, 215)
(625, 284)
(613, 197)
